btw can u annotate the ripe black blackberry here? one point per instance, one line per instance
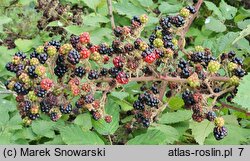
(66, 109)
(138, 105)
(238, 61)
(55, 44)
(31, 71)
(60, 60)
(151, 101)
(229, 98)
(191, 9)
(154, 89)
(93, 74)
(45, 107)
(103, 49)
(177, 21)
(188, 98)
(74, 40)
(34, 116)
(185, 73)
(53, 116)
(168, 44)
(220, 132)
(89, 99)
(10, 67)
(152, 37)
(60, 70)
(147, 71)
(80, 71)
(73, 57)
(146, 122)
(26, 106)
(34, 54)
(43, 57)
(231, 54)
(239, 72)
(182, 64)
(104, 72)
(40, 92)
(137, 43)
(167, 37)
(211, 115)
(217, 90)
(20, 54)
(114, 71)
(118, 31)
(18, 88)
(165, 22)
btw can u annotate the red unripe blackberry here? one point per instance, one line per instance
(118, 61)
(46, 83)
(94, 48)
(122, 78)
(85, 38)
(85, 53)
(108, 118)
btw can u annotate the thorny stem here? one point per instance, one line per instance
(186, 28)
(110, 9)
(234, 108)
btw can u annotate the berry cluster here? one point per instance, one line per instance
(55, 74)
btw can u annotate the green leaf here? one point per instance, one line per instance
(120, 95)
(125, 106)
(242, 97)
(174, 117)
(55, 24)
(236, 136)
(73, 134)
(243, 34)
(24, 44)
(227, 11)
(215, 9)
(165, 7)
(84, 121)
(200, 130)
(170, 132)
(224, 42)
(104, 128)
(5, 116)
(175, 103)
(4, 20)
(214, 25)
(231, 119)
(57, 140)
(151, 137)
(91, 3)
(147, 3)
(126, 8)
(43, 128)
(94, 19)
(243, 24)
(76, 30)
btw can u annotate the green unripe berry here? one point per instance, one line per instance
(40, 49)
(184, 12)
(231, 66)
(158, 43)
(199, 48)
(234, 80)
(193, 80)
(51, 51)
(213, 66)
(219, 122)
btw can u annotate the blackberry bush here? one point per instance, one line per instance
(131, 82)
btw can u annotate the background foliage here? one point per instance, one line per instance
(222, 25)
